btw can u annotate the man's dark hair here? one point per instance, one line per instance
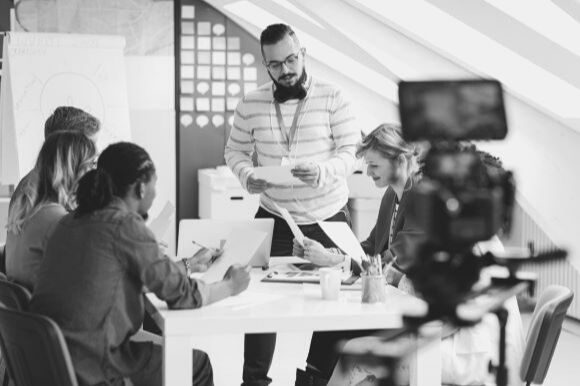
(69, 118)
(274, 33)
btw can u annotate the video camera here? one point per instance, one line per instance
(461, 199)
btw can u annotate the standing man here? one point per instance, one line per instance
(299, 121)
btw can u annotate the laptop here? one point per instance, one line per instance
(209, 232)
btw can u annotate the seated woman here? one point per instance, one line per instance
(63, 159)
(97, 264)
(392, 163)
(64, 118)
(465, 352)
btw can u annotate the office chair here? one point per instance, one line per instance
(3, 258)
(17, 297)
(14, 296)
(35, 350)
(544, 332)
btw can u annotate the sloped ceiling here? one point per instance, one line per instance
(531, 46)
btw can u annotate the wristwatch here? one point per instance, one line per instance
(187, 266)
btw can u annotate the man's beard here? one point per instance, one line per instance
(296, 91)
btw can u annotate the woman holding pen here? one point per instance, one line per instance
(391, 163)
(97, 264)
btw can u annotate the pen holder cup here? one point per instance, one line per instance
(373, 289)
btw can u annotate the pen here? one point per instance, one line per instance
(198, 244)
(213, 257)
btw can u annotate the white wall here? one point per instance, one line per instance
(369, 108)
(541, 150)
(150, 87)
(544, 156)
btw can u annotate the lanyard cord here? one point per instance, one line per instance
(293, 138)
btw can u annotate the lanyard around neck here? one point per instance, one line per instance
(289, 138)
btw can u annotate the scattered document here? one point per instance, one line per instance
(341, 234)
(279, 175)
(297, 276)
(240, 247)
(161, 223)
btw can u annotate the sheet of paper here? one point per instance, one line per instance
(340, 233)
(239, 248)
(292, 224)
(280, 175)
(161, 223)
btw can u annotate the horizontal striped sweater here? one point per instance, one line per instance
(326, 135)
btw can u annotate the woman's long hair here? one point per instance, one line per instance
(387, 140)
(63, 159)
(120, 165)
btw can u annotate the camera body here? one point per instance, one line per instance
(464, 196)
(461, 200)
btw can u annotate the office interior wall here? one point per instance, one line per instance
(148, 29)
(5, 9)
(216, 63)
(540, 148)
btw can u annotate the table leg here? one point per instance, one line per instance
(425, 362)
(177, 361)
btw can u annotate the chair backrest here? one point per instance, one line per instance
(14, 296)
(3, 258)
(35, 350)
(544, 332)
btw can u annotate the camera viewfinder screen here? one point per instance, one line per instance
(452, 110)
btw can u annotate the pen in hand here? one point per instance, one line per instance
(199, 245)
(211, 251)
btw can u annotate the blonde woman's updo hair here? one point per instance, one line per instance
(387, 140)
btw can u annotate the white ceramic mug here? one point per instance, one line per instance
(330, 279)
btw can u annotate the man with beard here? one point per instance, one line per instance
(299, 121)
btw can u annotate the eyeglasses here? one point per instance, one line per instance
(290, 61)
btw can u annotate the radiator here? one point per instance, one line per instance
(525, 230)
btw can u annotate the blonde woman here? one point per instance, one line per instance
(63, 118)
(63, 159)
(392, 163)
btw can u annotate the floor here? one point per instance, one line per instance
(292, 349)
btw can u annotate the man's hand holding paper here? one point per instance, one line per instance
(309, 173)
(257, 185)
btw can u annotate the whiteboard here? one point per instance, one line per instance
(43, 71)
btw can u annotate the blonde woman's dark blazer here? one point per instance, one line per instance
(406, 233)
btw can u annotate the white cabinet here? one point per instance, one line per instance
(221, 196)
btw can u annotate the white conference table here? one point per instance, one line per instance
(281, 307)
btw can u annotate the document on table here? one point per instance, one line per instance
(239, 248)
(341, 234)
(294, 275)
(161, 223)
(280, 175)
